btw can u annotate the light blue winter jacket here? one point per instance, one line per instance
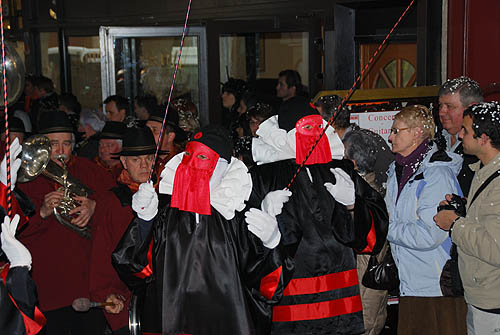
(419, 247)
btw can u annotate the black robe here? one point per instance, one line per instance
(16, 284)
(323, 296)
(211, 277)
(18, 314)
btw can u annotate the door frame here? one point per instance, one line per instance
(263, 24)
(107, 35)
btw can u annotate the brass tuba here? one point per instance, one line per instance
(35, 160)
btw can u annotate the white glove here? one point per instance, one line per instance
(145, 201)
(15, 164)
(15, 251)
(343, 190)
(264, 226)
(273, 201)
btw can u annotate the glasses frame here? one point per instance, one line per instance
(395, 130)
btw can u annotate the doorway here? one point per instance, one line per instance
(141, 60)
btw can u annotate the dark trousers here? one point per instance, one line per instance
(65, 321)
(432, 315)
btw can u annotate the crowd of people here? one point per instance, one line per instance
(240, 228)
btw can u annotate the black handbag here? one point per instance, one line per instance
(450, 281)
(381, 275)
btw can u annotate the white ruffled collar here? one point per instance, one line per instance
(275, 144)
(228, 196)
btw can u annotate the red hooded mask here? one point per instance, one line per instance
(308, 130)
(191, 190)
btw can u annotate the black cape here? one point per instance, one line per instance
(211, 277)
(322, 234)
(18, 287)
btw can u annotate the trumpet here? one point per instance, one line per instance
(35, 160)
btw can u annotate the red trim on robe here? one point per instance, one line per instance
(269, 283)
(32, 326)
(3, 201)
(329, 282)
(3, 196)
(371, 238)
(148, 269)
(319, 310)
(16, 209)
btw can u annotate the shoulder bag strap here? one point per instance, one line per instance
(483, 186)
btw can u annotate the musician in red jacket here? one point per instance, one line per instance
(60, 255)
(113, 215)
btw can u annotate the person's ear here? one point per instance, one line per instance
(355, 165)
(417, 132)
(171, 136)
(124, 162)
(484, 139)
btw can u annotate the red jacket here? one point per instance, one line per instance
(60, 256)
(113, 215)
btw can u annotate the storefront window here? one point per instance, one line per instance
(50, 57)
(263, 55)
(85, 60)
(146, 65)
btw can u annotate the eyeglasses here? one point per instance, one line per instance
(395, 131)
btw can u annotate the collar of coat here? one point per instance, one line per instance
(227, 196)
(275, 144)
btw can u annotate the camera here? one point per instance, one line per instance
(456, 204)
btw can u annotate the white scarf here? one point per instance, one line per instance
(230, 184)
(275, 144)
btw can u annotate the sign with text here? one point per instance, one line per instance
(378, 122)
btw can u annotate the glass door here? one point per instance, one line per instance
(141, 60)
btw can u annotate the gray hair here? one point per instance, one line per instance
(469, 90)
(360, 146)
(92, 118)
(117, 140)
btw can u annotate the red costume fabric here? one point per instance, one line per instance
(16, 209)
(308, 130)
(18, 313)
(60, 256)
(115, 170)
(112, 217)
(191, 191)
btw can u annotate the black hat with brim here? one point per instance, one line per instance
(138, 141)
(55, 122)
(16, 125)
(172, 120)
(216, 138)
(293, 110)
(113, 130)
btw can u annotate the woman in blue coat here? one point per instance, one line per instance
(417, 181)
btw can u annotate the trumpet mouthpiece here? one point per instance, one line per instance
(61, 157)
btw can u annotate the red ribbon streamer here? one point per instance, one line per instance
(171, 90)
(6, 114)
